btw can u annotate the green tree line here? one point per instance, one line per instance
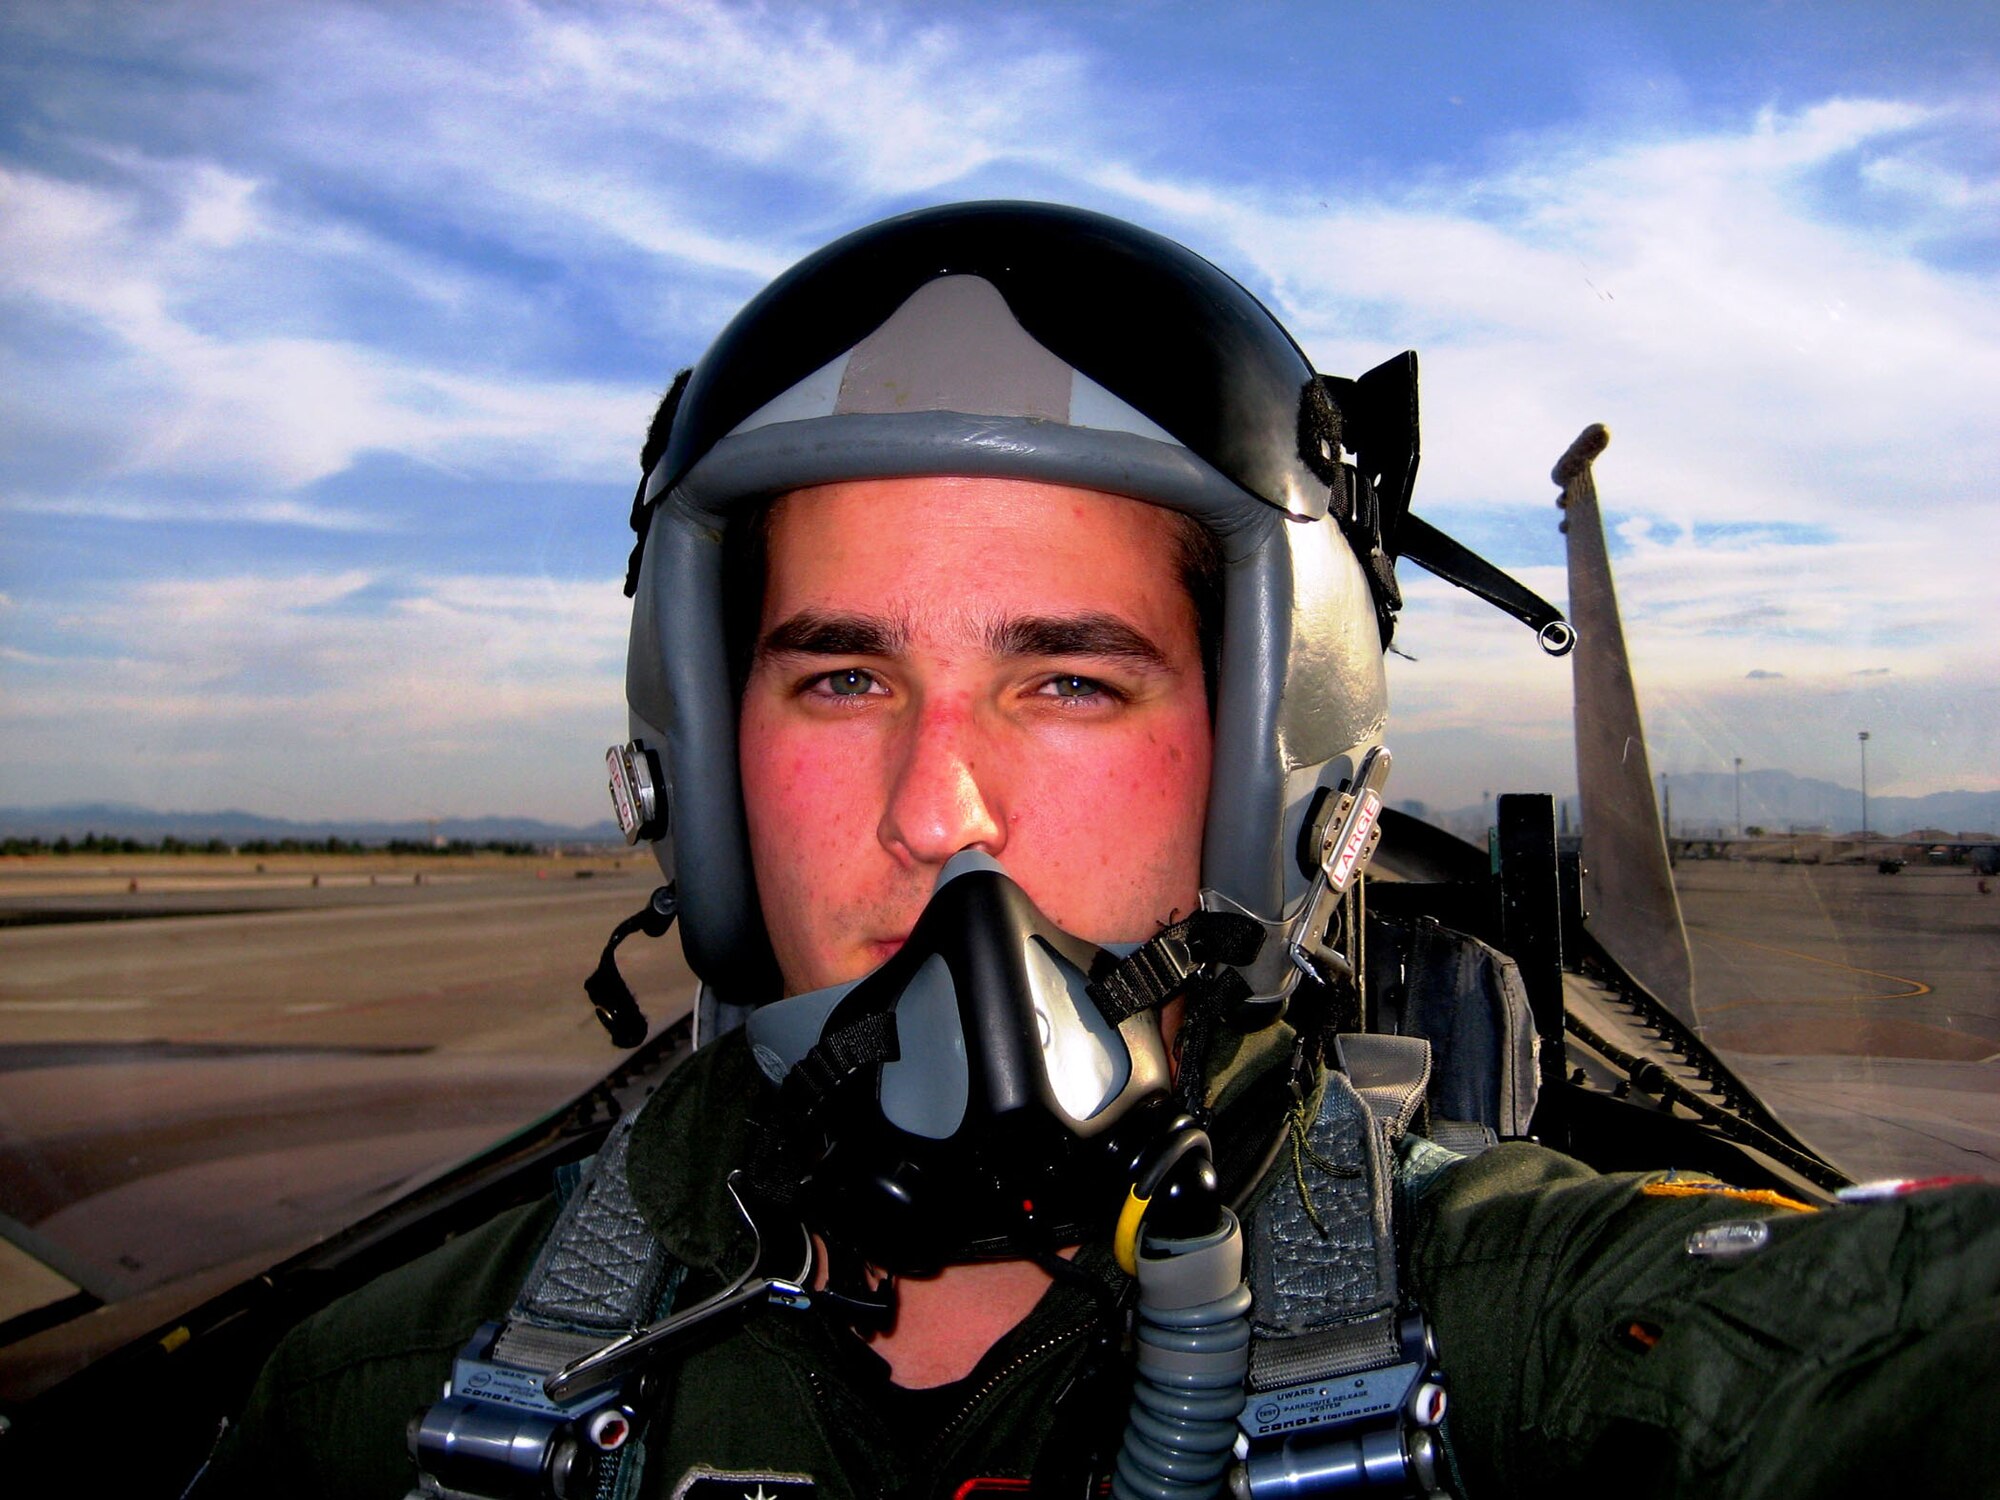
(104, 843)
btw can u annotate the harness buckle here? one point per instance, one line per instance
(496, 1435)
(1350, 1430)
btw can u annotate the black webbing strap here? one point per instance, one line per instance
(1213, 996)
(657, 433)
(1166, 964)
(782, 1149)
(870, 1039)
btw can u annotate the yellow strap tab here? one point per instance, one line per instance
(1125, 1238)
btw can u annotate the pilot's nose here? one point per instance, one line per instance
(943, 791)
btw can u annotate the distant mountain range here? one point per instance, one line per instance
(118, 820)
(1779, 802)
(1703, 802)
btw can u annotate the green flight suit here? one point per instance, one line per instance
(780, 1398)
(1586, 1350)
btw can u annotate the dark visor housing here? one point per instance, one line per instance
(1150, 321)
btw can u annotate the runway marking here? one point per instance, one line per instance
(88, 1006)
(1917, 986)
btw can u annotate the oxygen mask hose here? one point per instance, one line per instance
(1193, 1327)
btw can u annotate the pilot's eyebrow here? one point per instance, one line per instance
(810, 633)
(1099, 635)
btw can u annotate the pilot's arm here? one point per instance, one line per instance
(1647, 1335)
(328, 1413)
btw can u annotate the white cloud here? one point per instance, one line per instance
(1756, 358)
(1771, 649)
(537, 133)
(1759, 361)
(868, 100)
(217, 211)
(647, 128)
(278, 412)
(532, 176)
(144, 511)
(344, 691)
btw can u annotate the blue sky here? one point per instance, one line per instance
(328, 333)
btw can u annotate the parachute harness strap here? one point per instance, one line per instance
(1344, 1392)
(498, 1431)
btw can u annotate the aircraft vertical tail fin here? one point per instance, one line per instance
(1628, 886)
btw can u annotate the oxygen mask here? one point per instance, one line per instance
(968, 1099)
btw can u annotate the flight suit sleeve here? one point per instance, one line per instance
(1588, 1349)
(328, 1414)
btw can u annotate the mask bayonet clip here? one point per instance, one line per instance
(1341, 840)
(779, 1276)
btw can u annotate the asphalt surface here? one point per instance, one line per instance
(1863, 1008)
(223, 1065)
(180, 1091)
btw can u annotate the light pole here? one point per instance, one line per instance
(1864, 791)
(1739, 796)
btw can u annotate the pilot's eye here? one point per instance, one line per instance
(851, 682)
(1072, 686)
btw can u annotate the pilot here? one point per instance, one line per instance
(1007, 698)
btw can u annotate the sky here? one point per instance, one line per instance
(328, 334)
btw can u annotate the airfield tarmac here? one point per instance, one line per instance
(207, 1063)
(1863, 1008)
(230, 1061)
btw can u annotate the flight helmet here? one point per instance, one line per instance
(1030, 341)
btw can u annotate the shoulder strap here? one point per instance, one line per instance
(1342, 1370)
(1322, 1251)
(601, 1274)
(602, 1271)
